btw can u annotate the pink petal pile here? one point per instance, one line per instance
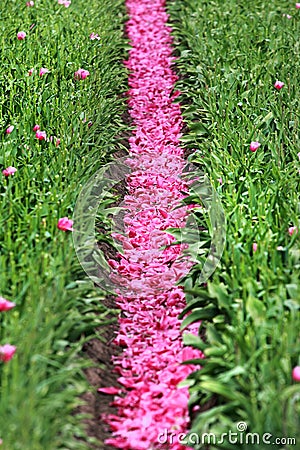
(150, 366)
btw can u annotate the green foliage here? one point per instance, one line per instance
(230, 55)
(55, 313)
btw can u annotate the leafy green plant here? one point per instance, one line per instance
(56, 308)
(229, 57)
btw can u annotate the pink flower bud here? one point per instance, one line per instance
(10, 129)
(36, 128)
(7, 351)
(31, 3)
(81, 74)
(94, 36)
(292, 230)
(21, 35)
(40, 135)
(298, 5)
(5, 305)
(278, 85)
(65, 224)
(254, 246)
(66, 3)
(9, 171)
(254, 146)
(296, 370)
(30, 71)
(43, 70)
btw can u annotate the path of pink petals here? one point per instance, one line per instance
(150, 403)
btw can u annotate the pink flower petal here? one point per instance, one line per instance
(109, 390)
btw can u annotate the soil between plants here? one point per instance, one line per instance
(101, 374)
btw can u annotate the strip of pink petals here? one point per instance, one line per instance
(149, 330)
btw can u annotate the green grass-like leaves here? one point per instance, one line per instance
(230, 55)
(54, 313)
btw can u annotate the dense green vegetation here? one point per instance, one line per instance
(230, 55)
(54, 313)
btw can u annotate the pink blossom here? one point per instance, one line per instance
(7, 351)
(296, 370)
(40, 135)
(9, 171)
(278, 84)
(36, 128)
(10, 129)
(287, 16)
(220, 180)
(94, 36)
(30, 3)
(254, 246)
(21, 35)
(90, 124)
(30, 71)
(254, 146)
(43, 71)
(65, 3)
(292, 230)
(81, 74)
(298, 5)
(57, 142)
(5, 305)
(65, 224)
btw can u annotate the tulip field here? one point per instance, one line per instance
(195, 345)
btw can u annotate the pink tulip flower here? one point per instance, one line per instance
(5, 305)
(94, 36)
(292, 230)
(278, 85)
(10, 129)
(65, 224)
(298, 5)
(65, 3)
(296, 370)
(7, 351)
(40, 135)
(254, 146)
(9, 171)
(43, 71)
(81, 74)
(21, 35)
